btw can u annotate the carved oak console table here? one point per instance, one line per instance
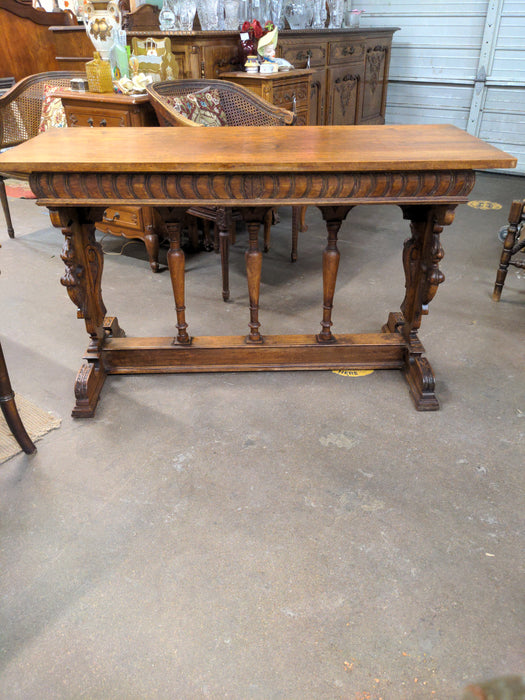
(426, 170)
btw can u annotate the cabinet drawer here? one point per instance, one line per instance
(298, 54)
(346, 52)
(283, 95)
(98, 117)
(123, 217)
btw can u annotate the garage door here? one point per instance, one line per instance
(458, 63)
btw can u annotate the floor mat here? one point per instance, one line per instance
(37, 423)
(19, 189)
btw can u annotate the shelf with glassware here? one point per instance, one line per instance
(350, 65)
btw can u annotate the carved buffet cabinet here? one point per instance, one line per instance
(349, 66)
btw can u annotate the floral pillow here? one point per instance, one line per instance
(202, 107)
(53, 114)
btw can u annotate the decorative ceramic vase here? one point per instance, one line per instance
(248, 46)
(251, 65)
(101, 20)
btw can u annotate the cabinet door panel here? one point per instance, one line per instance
(375, 85)
(217, 60)
(343, 93)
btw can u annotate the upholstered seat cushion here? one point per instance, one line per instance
(203, 107)
(53, 114)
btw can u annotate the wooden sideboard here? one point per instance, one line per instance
(350, 66)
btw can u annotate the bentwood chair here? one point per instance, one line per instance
(232, 105)
(514, 243)
(20, 117)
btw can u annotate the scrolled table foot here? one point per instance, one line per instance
(88, 385)
(421, 383)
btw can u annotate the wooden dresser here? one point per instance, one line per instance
(111, 110)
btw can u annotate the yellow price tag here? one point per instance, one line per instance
(484, 205)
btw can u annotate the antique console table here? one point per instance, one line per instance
(426, 170)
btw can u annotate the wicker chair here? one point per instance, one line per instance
(20, 113)
(242, 108)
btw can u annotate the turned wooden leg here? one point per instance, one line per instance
(253, 259)
(83, 258)
(10, 411)
(151, 238)
(516, 215)
(5, 207)
(176, 267)
(334, 217)
(223, 224)
(254, 217)
(422, 254)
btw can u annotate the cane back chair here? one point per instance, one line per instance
(241, 108)
(514, 243)
(20, 115)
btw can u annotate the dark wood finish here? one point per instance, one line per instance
(26, 44)
(426, 170)
(512, 245)
(114, 110)
(10, 411)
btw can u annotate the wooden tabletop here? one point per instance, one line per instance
(255, 149)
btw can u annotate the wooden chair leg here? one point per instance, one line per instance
(268, 220)
(296, 226)
(5, 207)
(516, 215)
(10, 411)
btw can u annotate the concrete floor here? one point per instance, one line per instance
(267, 535)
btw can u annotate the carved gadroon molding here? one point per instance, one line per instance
(253, 188)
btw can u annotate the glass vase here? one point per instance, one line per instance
(231, 14)
(187, 10)
(208, 14)
(335, 11)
